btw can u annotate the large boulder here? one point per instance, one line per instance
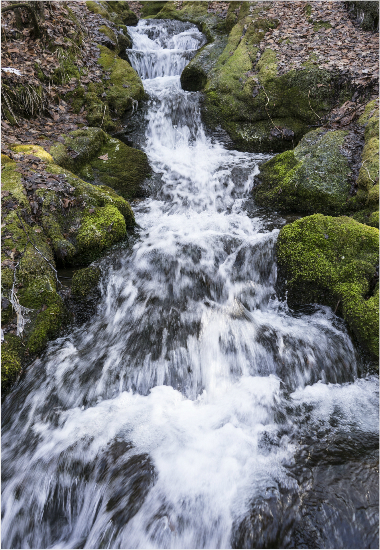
(262, 107)
(108, 102)
(314, 177)
(368, 178)
(50, 217)
(334, 261)
(98, 158)
(317, 175)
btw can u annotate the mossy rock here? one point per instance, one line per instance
(126, 83)
(367, 216)
(85, 281)
(196, 13)
(116, 11)
(246, 95)
(35, 280)
(65, 228)
(122, 168)
(312, 178)
(97, 219)
(116, 41)
(333, 261)
(99, 231)
(369, 171)
(11, 359)
(151, 8)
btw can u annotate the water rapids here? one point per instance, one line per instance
(194, 409)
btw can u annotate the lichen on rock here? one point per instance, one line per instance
(333, 261)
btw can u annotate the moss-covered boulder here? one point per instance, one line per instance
(106, 103)
(263, 109)
(27, 267)
(369, 171)
(85, 281)
(116, 11)
(314, 177)
(334, 261)
(63, 221)
(96, 157)
(115, 41)
(151, 8)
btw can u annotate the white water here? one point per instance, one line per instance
(182, 404)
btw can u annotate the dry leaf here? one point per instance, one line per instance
(104, 157)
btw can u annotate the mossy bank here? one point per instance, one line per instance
(61, 220)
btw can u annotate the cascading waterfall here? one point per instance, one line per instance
(194, 410)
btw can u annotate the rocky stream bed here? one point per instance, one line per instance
(190, 285)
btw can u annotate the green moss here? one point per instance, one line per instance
(332, 261)
(321, 25)
(369, 111)
(85, 281)
(100, 230)
(307, 10)
(374, 219)
(77, 97)
(263, 136)
(122, 168)
(35, 150)
(126, 84)
(373, 197)
(151, 8)
(11, 354)
(47, 325)
(369, 171)
(108, 32)
(312, 178)
(96, 7)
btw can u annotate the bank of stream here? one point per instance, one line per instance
(195, 409)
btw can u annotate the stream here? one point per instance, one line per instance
(194, 409)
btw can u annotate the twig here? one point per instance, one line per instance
(308, 97)
(366, 169)
(336, 309)
(19, 309)
(104, 112)
(267, 103)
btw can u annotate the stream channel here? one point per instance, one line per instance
(194, 409)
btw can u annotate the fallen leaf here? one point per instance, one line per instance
(104, 157)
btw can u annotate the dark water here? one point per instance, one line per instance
(194, 410)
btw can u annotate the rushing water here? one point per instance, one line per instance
(194, 410)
